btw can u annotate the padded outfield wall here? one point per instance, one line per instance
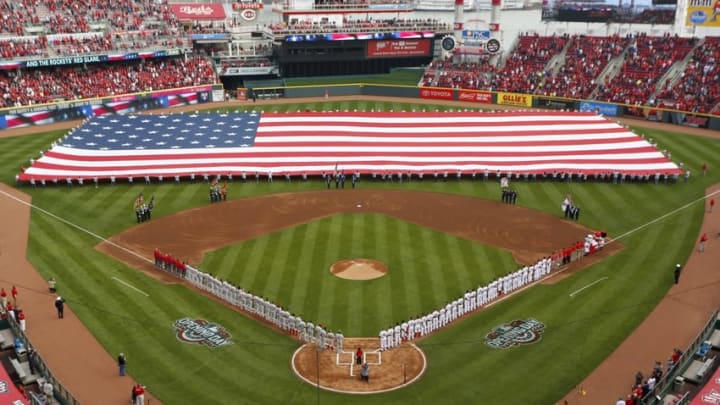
(131, 103)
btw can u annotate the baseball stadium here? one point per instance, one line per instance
(359, 201)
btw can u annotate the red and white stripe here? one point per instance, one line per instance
(311, 143)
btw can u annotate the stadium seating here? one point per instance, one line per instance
(466, 75)
(70, 83)
(697, 89)
(586, 58)
(524, 69)
(648, 59)
(368, 25)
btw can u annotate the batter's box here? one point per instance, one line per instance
(340, 358)
(373, 358)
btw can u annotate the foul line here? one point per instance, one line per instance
(676, 210)
(78, 227)
(572, 294)
(133, 287)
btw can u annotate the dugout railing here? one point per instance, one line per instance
(667, 383)
(61, 394)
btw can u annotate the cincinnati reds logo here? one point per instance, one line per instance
(517, 332)
(201, 332)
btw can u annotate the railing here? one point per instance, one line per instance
(60, 393)
(665, 384)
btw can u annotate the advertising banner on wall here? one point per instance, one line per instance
(600, 108)
(436, 93)
(554, 103)
(475, 96)
(69, 111)
(398, 48)
(198, 11)
(703, 13)
(517, 99)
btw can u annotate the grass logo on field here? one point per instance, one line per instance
(517, 332)
(201, 332)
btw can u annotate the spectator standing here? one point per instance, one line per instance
(122, 364)
(21, 320)
(703, 239)
(139, 394)
(60, 306)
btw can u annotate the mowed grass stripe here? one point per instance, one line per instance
(414, 286)
(285, 255)
(328, 285)
(432, 267)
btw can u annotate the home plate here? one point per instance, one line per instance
(359, 205)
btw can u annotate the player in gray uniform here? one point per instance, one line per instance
(320, 335)
(302, 328)
(339, 340)
(310, 332)
(330, 341)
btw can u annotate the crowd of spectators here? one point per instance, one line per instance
(647, 60)
(697, 89)
(525, 68)
(586, 58)
(644, 386)
(37, 86)
(465, 75)
(364, 25)
(77, 16)
(350, 4)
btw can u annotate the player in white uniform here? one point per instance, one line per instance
(404, 330)
(383, 340)
(330, 341)
(398, 335)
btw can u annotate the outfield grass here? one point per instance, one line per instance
(580, 332)
(403, 77)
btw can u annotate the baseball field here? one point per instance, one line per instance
(133, 310)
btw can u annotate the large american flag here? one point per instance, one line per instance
(123, 146)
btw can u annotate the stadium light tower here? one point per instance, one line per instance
(459, 18)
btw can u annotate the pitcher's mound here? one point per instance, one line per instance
(359, 269)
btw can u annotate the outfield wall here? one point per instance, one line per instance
(66, 111)
(50, 113)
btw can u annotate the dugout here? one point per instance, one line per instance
(273, 88)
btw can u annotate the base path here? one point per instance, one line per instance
(528, 234)
(71, 352)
